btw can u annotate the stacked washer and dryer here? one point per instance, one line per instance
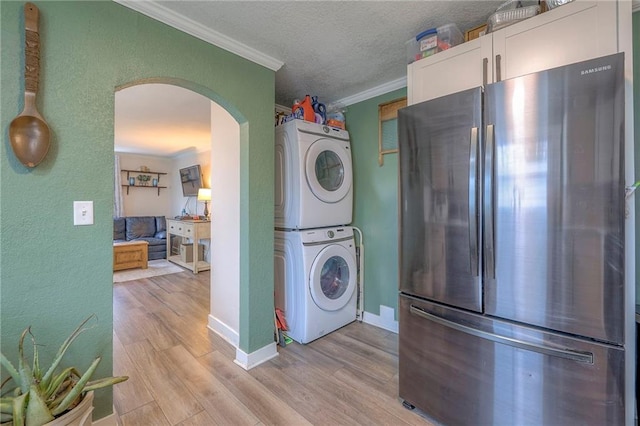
(315, 254)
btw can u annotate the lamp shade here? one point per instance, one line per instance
(204, 194)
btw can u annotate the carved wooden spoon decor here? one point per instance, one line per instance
(28, 132)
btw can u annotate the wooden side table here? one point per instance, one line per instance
(130, 254)
(188, 230)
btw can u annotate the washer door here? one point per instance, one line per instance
(328, 170)
(332, 280)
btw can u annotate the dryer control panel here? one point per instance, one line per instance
(319, 129)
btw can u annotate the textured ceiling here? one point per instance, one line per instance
(336, 50)
(333, 49)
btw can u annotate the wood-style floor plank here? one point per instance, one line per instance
(132, 393)
(360, 357)
(149, 414)
(165, 384)
(194, 334)
(295, 383)
(181, 373)
(263, 403)
(220, 404)
(200, 419)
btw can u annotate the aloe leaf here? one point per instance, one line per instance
(6, 405)
(77, 389)
(19, 404)
(37, 411)
(11, 369)
(104, 382)
(37, 373)
(23, 366)
(58, 380)
(63, 349)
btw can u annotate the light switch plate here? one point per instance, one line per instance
(83, 212)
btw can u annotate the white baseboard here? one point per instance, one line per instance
(243, 359)
(384, 320)
(110, 420)
(224, 331)
(248, 361)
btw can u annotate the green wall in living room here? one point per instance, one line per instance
(54, 274)
(375, 203)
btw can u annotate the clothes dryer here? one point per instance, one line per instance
(313, 182)
(315, 280)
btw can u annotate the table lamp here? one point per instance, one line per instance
(204, 194)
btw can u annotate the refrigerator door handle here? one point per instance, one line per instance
(585, 357)
(473, 201)
(485, 67)
(498, 68)
(489, 190)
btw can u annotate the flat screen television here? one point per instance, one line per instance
(191, 179)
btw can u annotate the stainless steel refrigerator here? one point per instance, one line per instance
(512, 250)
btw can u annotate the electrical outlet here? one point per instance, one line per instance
(83, 212)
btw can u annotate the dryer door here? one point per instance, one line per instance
(332, 280)
(328, 170)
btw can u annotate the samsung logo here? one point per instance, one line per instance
(597, 69)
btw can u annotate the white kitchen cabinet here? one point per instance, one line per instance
(570, 33)
(450, 71)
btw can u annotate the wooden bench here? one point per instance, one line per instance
(130, 254)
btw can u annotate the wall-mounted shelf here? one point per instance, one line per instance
(158, 174)
(143, 186)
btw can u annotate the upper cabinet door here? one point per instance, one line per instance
(571, 33)
(454, 70)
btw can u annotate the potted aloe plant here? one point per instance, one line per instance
(35, 396)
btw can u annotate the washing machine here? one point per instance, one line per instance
(315, 280)
(314, 177)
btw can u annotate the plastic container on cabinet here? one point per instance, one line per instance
(555, 3)
(423, 45)
(504, 18)
(448, 36)
(432, 41)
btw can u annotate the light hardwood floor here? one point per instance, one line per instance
(181, 373)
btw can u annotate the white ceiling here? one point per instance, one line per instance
(161, 120)
(342, 51)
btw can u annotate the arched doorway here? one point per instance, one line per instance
(176, 130)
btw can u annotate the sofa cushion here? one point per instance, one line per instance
(157, 249)
(161, 225)
(156, 255)
(118, 228)
(140, 227)
(154, 241)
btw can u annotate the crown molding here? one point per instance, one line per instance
(282, 108)
(191, 27)
(368, 94)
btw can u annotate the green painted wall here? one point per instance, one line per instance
(376, 203)
(636, 135)
(53, 274)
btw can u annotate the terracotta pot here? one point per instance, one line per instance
(79, 416)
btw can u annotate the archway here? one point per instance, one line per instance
(222, 175)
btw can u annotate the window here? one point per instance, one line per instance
(388, 127)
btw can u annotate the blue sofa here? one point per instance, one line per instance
(152, 229)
